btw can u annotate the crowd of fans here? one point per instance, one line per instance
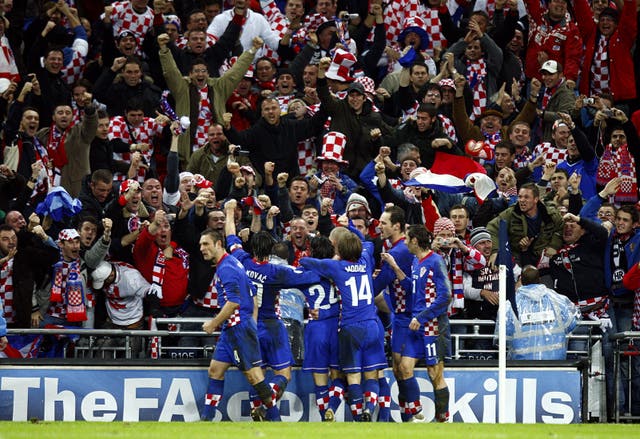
(125, 127)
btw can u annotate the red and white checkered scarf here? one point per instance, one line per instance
(594, 308)
(6, 290)
(67, 288)
(619, 163)
(204, 118)
(159, 268)
(476, 75)
(600, 67)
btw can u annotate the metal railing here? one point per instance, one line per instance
(91, 345)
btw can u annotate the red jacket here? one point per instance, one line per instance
(176, 273)
(621, 72)
(561, 42)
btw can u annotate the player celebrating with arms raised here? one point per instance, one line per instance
(360, 348)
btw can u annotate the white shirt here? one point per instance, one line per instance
(255, 26)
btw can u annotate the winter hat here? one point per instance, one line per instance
(478, 235)
(443, 223)
(357, 200)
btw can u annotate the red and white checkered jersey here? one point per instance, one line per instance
(124, 17)
(144, 133)
(550, 153)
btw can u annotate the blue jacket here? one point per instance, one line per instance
(632, 252)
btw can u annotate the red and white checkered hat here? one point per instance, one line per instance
(368, 84)
(447, 82)
(341, 64)
(68, 235)
(313, 21)
(333, 144)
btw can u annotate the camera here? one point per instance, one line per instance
(238, 151)
(348, 17)
(607, 112)
(588, 101)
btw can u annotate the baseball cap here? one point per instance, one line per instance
(100, 274)
(550, 66)
(355, 86)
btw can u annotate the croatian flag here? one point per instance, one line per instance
(22, 346)
(448, 174)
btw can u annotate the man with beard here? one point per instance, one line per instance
(212, 158)
(67, 146)
(163, 264)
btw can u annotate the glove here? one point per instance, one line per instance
(605, 324)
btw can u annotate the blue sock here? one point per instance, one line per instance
(402, 400)
(371, 390)
(336, 393)
(254, 398)
(413, 395)
(273, 414)
(215, 389)
(355, 401)
(280, 384)
(322, 399)
(384, 400)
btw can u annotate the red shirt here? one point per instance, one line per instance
(176, 273)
